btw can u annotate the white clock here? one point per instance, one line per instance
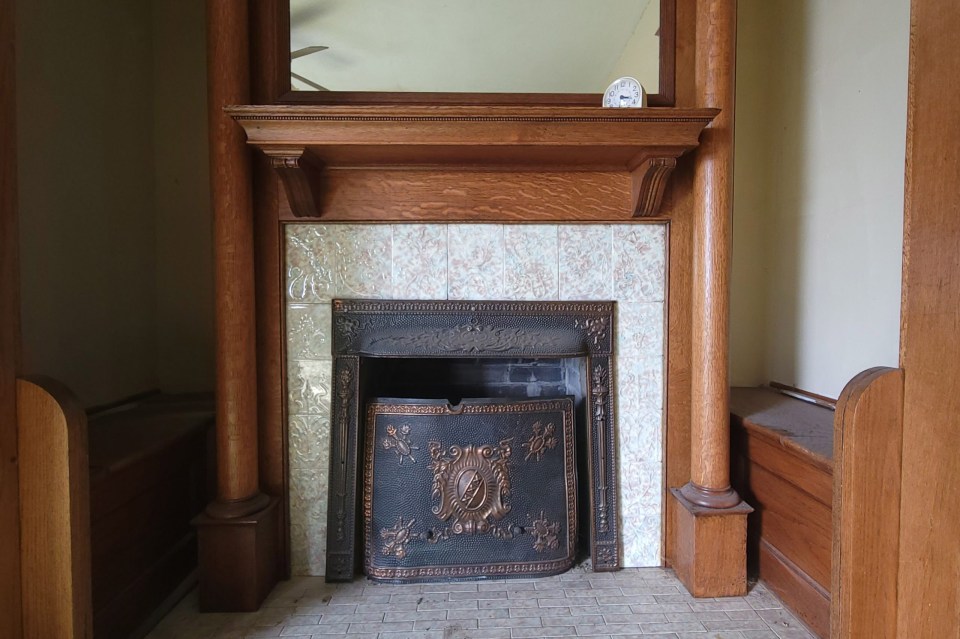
(625, 92)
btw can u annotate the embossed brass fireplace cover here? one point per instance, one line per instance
(483, 489)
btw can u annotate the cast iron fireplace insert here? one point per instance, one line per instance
(368, 334)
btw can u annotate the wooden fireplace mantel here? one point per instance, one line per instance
(472, 163)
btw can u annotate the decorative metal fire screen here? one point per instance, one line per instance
(368, 330)
(483, 489)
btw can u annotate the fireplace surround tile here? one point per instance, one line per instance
(531, 265)
(468, 261)
(308, 331)
(308, 387)
(475, 261)
(586, 262)
(420, 261)
(639, 262)
(364, 260)
(310, 255)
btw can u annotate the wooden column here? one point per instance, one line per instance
(710, 557)
(238, 534)
(9, 334)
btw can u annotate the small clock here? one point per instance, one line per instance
(625, 92)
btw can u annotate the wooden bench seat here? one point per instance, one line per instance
(148, 479)
(782, 465)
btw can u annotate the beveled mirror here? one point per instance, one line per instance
(463, 51)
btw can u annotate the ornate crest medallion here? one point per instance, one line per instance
(472, 483)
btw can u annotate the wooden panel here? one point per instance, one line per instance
(866, 505)
(679, 336)
(796, 524)
(269, 79)
(54, 512)
(930, 350)
(9, 334)
(463, 195)
(803, 596)
(788, 465)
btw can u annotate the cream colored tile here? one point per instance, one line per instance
(364, 261)
(640, 330)
(420, 261)
(309, 441)
(310, 260)
(641, 541)
(308, 331)
(530, 270)
(639, 264)
(308, 387)
(586, 262)
(475, 261)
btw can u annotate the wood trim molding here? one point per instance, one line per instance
(326, 157)
(929, 348)
(868, 430)
(10, 601)
(55, 511)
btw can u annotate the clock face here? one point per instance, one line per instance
(624, 92)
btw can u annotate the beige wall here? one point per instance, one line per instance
(107, 212)
(818, 205)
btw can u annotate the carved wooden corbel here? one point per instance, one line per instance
(650, 179)
(302, 178)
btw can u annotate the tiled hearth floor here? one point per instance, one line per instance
(638, 602)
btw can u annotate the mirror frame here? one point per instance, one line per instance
(281, 18)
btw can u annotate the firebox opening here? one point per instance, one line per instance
(456, 379)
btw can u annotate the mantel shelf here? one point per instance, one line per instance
(472, 162)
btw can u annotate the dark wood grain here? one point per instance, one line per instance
(9, 333)
(930, 350)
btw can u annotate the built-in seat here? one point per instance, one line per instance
(148, 479)
(782, 465)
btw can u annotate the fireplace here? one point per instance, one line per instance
(551, 263)
(367, 333)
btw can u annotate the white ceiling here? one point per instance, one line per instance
(571, 46)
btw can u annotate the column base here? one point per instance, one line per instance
(711, 547)
(238, 559)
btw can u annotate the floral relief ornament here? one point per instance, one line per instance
(399, 440)
(541, 440)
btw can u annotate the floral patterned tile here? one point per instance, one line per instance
(308, 331)
(310, 263)
(420, 261)
(639, 262)
(640, 385)
(641, 487)
(586, 262)
(640, 330)
(308, 522)
(641, 541)
(309, 440)
(475, 261)
(364, 260)
(641, 434)
(530, 269)
(308, 387)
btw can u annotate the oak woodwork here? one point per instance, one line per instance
(713, 185)
(640, 145)
(711, 547)
(54, 511)
(807, 599)
(228, 83)
(679, 287)
(929, 348)
(867, 446)
(783, 466)
(270, 78)
(9, 334)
